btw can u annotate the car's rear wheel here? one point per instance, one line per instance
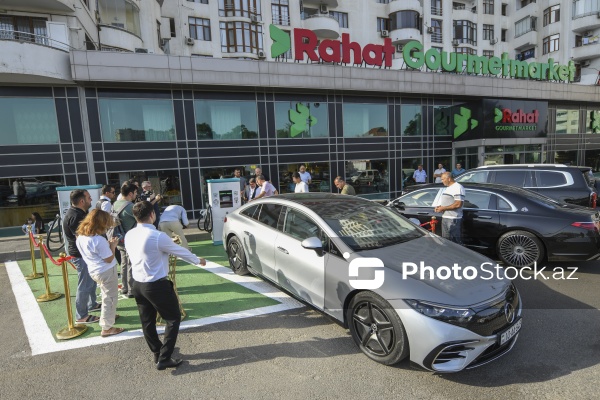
(377, 329)
(520, 249)
(237, 256)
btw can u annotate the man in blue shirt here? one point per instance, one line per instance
(458, 170)
(420, 176)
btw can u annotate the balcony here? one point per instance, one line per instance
(282, 20)
(21, 55)
(328, 3)
(405, 35)
(585, 22)
(586, 51)
(403, 5)
(39, 5)
(324, 26)
(529, 39)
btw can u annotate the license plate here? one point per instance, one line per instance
(510, 332)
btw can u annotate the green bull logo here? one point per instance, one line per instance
(463, 122)
(301, 119)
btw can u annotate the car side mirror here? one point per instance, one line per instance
(399, 205)
(313, 243)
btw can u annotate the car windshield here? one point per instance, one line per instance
(370, 226)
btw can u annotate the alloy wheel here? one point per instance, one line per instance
(374, 329)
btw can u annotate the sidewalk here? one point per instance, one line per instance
(16, 248)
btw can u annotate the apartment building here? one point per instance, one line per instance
(178, 91)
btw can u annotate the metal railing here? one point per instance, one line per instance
(281, 20)
(436, 37)
(436, 10)
(463, 7)
(42, 40)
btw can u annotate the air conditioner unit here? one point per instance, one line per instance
(588, 33)
(585, 63)
(493, 41)
(430, 29)
(140, 50)
(261, 54)
(254, 19)
(385, 33)
(323, 9)
(455, 43)
(189, 41)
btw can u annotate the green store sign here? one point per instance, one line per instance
(414, 57)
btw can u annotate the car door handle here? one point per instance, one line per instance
(422, 213)
(247, 233)
(484, 217)
(283, 250)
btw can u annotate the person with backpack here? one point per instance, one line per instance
(123, 210)
(104, 203)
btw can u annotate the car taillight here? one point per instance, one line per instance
(585, 225)
(594, 200)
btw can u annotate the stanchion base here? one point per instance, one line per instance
(34, 276)
(70, 333)
(49, 297)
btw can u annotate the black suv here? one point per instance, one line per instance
(570, 184)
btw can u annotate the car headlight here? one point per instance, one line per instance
(452, 315)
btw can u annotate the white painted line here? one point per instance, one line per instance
(41, 339)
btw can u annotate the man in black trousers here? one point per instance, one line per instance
(149, 250)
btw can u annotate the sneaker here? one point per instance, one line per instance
(97, 307)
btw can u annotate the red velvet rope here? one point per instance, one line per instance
(33, 239)
(431, 223)
(55, 262)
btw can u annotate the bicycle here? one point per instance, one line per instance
(54, 237)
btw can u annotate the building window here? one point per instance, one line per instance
(122, 14)
(383, 24)
(241, 37)
(503, 35)
(436, 35)
(365, 120)
(27, 29)
(369, 178)
(411, 120)
(504, 9)
(552, 14)
(525, 3)
(319, 172)
(27, 121)
(488, 7)
(525, 25)
(436, 7)
(198, 1)
(199, 28)
(341, 17)
(465, 32)
(582, 8)
(296, 119)
(384, 1)
(281, 12)
(488, 32)
(405, 19)
(550, 44)
(172, 27)
(526, 54)
(226, 120)
(239, 8)
(465, 50)
(136, 120)
(488, 53)
(567, 121)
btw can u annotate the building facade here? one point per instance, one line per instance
(178, 92)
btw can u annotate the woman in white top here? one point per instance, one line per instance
(99, 255)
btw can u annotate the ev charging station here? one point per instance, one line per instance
(64, 196)
(223, 197)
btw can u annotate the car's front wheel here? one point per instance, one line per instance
(377, 329)
(237, 256)
(520, 249)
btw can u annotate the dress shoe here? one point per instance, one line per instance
(170, 363)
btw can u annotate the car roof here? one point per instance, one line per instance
(508, 166)
(495, 187)
(321, 203)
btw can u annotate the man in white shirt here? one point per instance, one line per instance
(252, 190)
(305, 175)
(437, 174)
(149, 251)
(451, 206)
(172, 221)
(420, 176)
(301, 186)
(104, 203)
(266, 188)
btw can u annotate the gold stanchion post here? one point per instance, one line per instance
(49, 295)
(71, 330)
(34, 274)
(173, 278)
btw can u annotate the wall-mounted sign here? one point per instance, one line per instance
(306, 44)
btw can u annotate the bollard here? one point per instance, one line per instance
(49, 295)
(34, 274)
(71, 330)
(173, 278)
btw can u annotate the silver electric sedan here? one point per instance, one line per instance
(399, 289)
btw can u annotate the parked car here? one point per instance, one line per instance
(305, 243)
(518, 226)
(573, 185)
(366, 177)
(37, 192)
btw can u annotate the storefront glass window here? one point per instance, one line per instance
(592, 124)
(365, 120)
(165, 183)
(27, 121)
(411, 120)
(592, 159)
(567, 121)
(319, 172)
(20, 197)
(442, 120)
(301, 119)
(136, 120)
(370, 178)
(566, 157)
(409, 165)
(222, 120)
